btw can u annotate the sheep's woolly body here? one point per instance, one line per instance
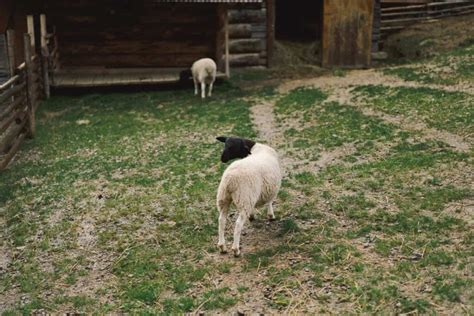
(250, 182)
(253, 181)
(204, 72)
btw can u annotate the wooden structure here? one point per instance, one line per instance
(347, 33)
(395, 15)
(94, 43)
(19, 97)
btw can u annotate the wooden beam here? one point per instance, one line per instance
(31, 29)
(226, 32)
(30, 86)
(11, 153)
(270, 31)
(44, 55)
(220, 37)
(11, 51)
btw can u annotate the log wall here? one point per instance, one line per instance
(248, 35)
(133, 33)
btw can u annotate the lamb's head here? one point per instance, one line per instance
(235, 147)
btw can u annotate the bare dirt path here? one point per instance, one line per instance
(367, 77)
(340, 89)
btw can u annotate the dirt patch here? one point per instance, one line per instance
(340, 91)
(366, 77)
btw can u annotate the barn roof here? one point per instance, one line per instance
(210, 1)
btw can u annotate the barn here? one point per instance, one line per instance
(108, 42)
(115, 42)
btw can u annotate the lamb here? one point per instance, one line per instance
(251, 182)
(204, 72)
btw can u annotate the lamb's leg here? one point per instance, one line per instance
(223, 207)
(270, 214)
(195, 86)
(239, 224)
(203, 90)
(210, 89)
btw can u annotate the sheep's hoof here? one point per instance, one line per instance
(236, 252)
(271, 218)
(252, 218)
(222, 248)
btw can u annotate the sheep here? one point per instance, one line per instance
(251, 182)
(204, 72)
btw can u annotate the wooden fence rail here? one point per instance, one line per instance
(396, 18)
(19, 98)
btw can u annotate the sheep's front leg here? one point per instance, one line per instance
(203, 90)
(223, 209)
(270, 214)
(210, 89)
(237, 232)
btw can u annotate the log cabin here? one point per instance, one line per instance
(115, 42)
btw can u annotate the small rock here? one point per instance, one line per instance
(416, 256)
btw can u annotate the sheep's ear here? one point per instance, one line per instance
(222, 139)
(248, 144)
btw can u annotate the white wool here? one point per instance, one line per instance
(248, 183)
(204, 73)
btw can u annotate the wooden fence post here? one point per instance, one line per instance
(270, 31)
(11, 51)
(31, 101)
(44, 55)
(226, 40)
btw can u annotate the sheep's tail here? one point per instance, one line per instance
(210, 72)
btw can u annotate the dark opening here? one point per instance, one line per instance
(299, 21)
(298, 32)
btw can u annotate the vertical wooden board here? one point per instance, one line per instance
(270, 31)
(347, 33)
(220, 36)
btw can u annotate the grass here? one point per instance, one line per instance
(451, 111)
(446, 69)
(111, 208)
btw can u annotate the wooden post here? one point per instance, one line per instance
(270, 31)
(11, 51)
(226, 32)
(31, 102)
(31, 29)
(44, 56)
(220, 40)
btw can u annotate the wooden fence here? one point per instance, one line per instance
(396, 18)
(19, 98)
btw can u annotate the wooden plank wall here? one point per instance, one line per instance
(248, 35)
(133, 33)
(347, 33)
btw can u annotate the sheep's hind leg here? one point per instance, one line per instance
(223, 210)
(203, 90)
(195, 86)
(210, 89)
(239, 224)
(270, 214)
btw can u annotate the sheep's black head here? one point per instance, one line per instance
(235, 147)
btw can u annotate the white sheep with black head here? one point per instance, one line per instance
(248, 183)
